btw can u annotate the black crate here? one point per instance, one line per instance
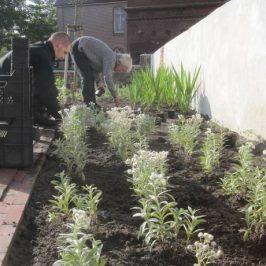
(16, 137)
(16, 123)
(16, 94)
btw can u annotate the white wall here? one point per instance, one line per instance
(230, 47)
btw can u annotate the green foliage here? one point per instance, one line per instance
(166, 86)
(66, 193)
(89, 202)
(255, 210)
(191, 221)
(40, 21)
(79, 249)
(211, 151)
(73, 149)
(13, 13)
(237, 182)
(184, 134)
(186, 87)
(128, 132)
(149, 89)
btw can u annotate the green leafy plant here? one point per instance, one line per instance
(157, 227)
(211, 151)
(205, 250)
(74, 250)
(255, 210)
(66, 193)
(191, 221)
(73, 149)
(185, 87)
(89, 202)
(151, 89)
(238, 181)
(183, 135)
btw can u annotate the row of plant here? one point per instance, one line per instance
(248, 182)
(128, 133)
(244, 181)
(165, 87)
(77, 246)
(162, 219)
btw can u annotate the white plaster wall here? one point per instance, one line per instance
(230, 47)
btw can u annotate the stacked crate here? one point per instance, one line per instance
(16, 123)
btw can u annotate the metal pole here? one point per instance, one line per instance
(66, 65)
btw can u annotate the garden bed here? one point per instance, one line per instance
(117, 229)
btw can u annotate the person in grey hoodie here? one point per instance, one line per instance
(96, 62)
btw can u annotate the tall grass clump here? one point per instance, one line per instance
(151, 89)
(186, 86)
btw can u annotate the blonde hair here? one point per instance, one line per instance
(61, 37)
(126, 61)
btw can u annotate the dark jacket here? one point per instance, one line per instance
(42, 59)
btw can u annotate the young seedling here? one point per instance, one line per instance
(88, 202)
(238, 181)
(79, 249)
(61, 202)
(211, 151)
(183, 135)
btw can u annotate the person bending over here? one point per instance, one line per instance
(96, 62)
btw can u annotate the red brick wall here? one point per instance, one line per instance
(97, 21)
(152, 23)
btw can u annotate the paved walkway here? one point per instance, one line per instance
(15, 189)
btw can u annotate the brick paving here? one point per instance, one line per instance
(15, 189)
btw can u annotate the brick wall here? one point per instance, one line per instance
(97, 21)
(152, 23)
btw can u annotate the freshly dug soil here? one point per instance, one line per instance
(117, 229)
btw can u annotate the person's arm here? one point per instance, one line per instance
(108, 70)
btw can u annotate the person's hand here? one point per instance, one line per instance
(117, 101)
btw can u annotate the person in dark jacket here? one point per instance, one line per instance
(42, 59)
(96, 62)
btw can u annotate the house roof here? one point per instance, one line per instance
(71, 2)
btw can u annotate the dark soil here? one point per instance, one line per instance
(36, 241)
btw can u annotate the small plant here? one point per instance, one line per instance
(255, 211)
(96, 118)
(73, 249)
(191, 221)
(89, 202)
(211, 151)
(119, 135)
(148, 172)
(72, 149)
(184, 134)
(205, 250)
(238, 181)
(157, 227)
(66, 193)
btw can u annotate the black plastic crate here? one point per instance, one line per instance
(16, 123)
(16, 149)
(16, 94)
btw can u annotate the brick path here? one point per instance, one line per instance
(15, 188)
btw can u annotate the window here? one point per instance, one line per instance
(119, 20)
